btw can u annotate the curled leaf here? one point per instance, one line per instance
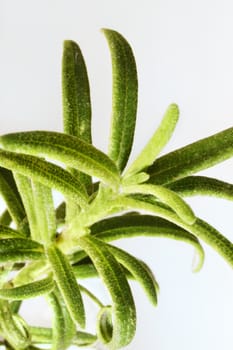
(123, 315)
(128, 226)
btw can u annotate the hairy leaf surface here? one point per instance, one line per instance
(124, 98)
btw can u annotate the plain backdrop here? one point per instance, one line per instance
(184, 53)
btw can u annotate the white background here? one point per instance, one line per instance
(184, 53)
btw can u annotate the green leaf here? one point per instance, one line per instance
(85, 271)
(47, 173)
(5, 218)
(7, 232)
(63, 326)
(24, 185)
(202, 185)
(11, 196)
(200, 229)
(67, 284)
(70, 150)
(128, 226)
(139, 270)
(124, 98)
(168, 197)
(29, 290)
(84, 339)
(104, 324)
(76, 98)
(157, 142)
(76, 93)
(124, 316)
(90, 295)
(45, 212)
(19, 249)
(12, 330)
(192, 158)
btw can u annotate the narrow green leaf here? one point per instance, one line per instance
(124, 98)
(67, 284)
(11, 196)
(24, 185)
(157, 142)
(29, 290)
(76, 97)
(84, 339)
(104, 324)
(5, 218)
(128, 226)
(124, 317)
(7, 232)
(139, 270)
(45, 212)
(202, 185)
(40, 335)
(63, 326)
(31, 272)
(19, 249)
(168, 197)
(192, 158)
(200, 229)
(76, 93)
(67, 149)
(47, 173)
(85, 271)
(11, 330)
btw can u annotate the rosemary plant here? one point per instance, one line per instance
(47, 250)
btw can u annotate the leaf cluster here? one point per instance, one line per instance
(49, 250)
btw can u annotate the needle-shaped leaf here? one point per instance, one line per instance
(170, 198)
(192, 158)
(200, 228)
(76, 97)
(70, 150)
(67, 284)
(63, 326)
(29, 290)
(24, 185)
(5, 218)
(76, 93)
(202, 185)
(85, 271)
(139, 270)
(47, 173)
(157, 142)
(124, 98)
(12, 331)
(128, 226)
(124, 316)
(19, 249)
(11, 196)
(7, 232)
(104, 324)
(45, 212)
